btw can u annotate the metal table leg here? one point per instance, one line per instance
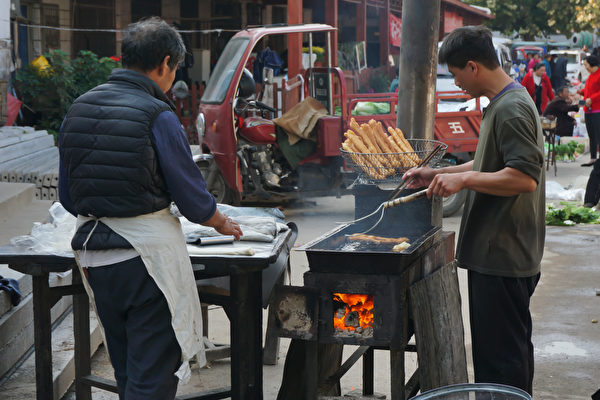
(246, 336)
(42, 324)
(81, 331)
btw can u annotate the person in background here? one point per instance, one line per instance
(528, 58)
(592, 191)
(548, 64)
(559, 108)
(394, 83)
(553, 66)
(533, 62)
(502, 232)
(591, 97)
(559, 73)
(539, 87)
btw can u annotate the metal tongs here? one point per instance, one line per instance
(394, 200)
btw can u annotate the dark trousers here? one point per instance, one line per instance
(501, 329)
(592, 190)
(592, 124)
(141, 342)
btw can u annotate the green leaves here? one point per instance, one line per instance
(531, 18)
(570, 215)
(50, 93)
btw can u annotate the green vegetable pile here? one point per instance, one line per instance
(371, 108)
(568, 151)
(570, 214)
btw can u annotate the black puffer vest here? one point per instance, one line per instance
(106, 147)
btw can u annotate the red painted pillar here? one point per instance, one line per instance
(361, 21)
(384, 33)
(331, 18)
(294, 16)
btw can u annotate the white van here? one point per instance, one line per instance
(575, 68)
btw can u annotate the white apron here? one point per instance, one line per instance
(158, 239)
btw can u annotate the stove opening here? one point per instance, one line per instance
(353, 315)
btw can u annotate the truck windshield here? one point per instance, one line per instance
(223, 72)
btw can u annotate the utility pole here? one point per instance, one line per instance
(417, 68)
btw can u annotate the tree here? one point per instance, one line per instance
(588, 14)
(531, 18)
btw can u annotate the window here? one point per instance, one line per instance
(90, 14)
(50, 37)
(222, 75)
(145, 8)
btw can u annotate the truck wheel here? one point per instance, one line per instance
(216, 184)
(453, 203)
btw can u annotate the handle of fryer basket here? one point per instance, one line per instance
(405, 199)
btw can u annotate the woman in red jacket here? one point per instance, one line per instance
(591, 95)
(538, 85)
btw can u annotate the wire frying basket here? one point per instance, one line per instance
(389, 167)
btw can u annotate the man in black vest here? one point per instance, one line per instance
(124, 158)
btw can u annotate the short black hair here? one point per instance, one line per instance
(560, 89)
(146, 43)
(469, 43)
(592, 60)
(538, 66)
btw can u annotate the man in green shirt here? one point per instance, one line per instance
(501, 239)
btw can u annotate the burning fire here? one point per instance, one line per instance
(358, 311)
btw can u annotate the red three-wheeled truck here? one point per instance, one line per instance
(240, 156)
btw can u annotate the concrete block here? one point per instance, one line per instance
(13, 196)
(24, 286)
(16, 326)
(23, 148)
(21, 385)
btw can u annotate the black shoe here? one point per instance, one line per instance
(589, 205)
(589, 163)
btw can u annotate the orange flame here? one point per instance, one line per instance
(361, 303)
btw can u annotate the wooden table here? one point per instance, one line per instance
(549, 131)
(244, 304)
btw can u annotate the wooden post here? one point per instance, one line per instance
(361, 21)
(81, 332)
(42, 330)
(384, 34)
(307, 365)
(294, 16)
(397, 373)
(331, 18)
(368, 373)
(435, 306)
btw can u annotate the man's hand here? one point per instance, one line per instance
(588, 102)
(421, 177)
(446, 185)
(224, 225)
(229, 227)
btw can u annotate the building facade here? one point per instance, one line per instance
(74, 25)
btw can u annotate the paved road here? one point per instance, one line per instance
(564, 305)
